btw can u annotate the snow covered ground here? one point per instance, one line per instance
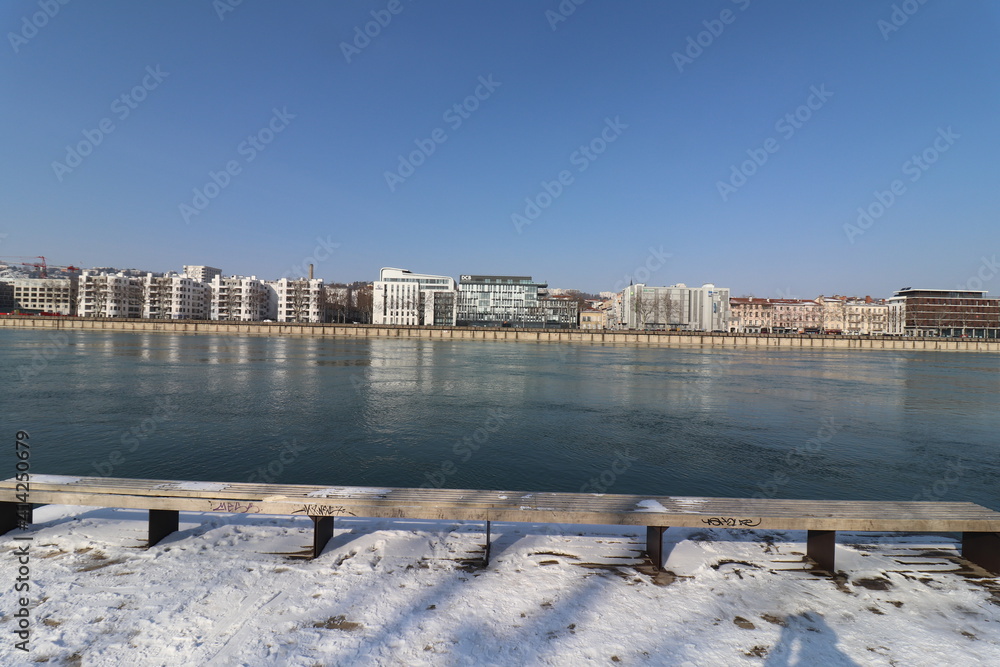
(224, 591)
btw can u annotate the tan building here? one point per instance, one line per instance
(43, 295)
(833, 315)
(592, 318)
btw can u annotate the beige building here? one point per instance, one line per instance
(43, 295)
(835, 315)
(592, 318)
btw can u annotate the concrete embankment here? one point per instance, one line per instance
(655, 338)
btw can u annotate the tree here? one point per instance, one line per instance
(642, 306)
(363, 303)
(336, 302)
(158, 295)
(299, 299)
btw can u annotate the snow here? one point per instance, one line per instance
(194, 486)
(54, 479)
(223, 591)
(650, 506)
(348, 492)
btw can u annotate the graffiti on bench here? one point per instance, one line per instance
(729, 522)
(324, 510)
(234, 507)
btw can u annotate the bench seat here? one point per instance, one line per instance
(980, 526)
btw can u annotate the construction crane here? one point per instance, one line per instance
(20, 261)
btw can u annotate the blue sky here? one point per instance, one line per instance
(645, 141)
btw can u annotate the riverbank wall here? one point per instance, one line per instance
(651, 338)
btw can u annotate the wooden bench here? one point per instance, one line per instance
(979, 526)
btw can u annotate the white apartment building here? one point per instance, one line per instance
(109, 295)
(299, 300)
(704, 308)
(400, 296)
(175, 297)
(203, 274)
(42, 295)
(240, 298)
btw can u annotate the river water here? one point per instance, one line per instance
(880, 425)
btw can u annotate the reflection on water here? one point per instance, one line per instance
(394, 412)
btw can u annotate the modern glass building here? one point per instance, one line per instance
(512, 301)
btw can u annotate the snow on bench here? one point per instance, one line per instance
(980, 526)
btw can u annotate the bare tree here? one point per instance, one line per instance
(363, 303)
(158, 294)
(642, 307)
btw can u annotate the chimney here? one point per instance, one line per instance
(310, 272)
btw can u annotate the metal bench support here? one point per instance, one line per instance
(13, 515)
(820, 546)
(983, 549)
(161, 524)
(654, 545)
(489, 543)
(322, 532)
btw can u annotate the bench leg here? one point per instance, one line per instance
(820, 546)
(322, 532)
(161, 524)
(983, 549)
(489, 543)
(654, 545)
(14, 515)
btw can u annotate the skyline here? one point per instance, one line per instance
(780, 151)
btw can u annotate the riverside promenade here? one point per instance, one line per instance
(651, 338)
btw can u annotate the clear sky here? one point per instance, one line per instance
(622, 122)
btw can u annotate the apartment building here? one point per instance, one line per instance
(301, 300)
(679, 307)
(592, 318)
(400, 296)
(175, 297)
(40, 295)
(240, 298)
(836, 314)
(109, 295)
(202, 274)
